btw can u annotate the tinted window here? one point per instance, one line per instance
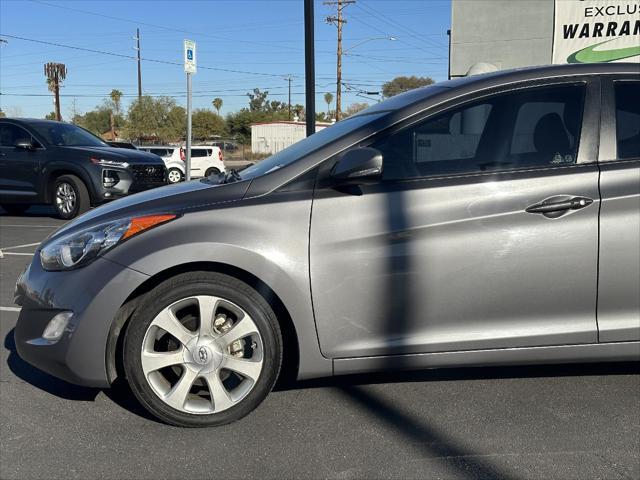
(523, 129)
(10, 134)
(628, 119)
(198, 152)
(310, 144)
(66, 135)
(163, 152)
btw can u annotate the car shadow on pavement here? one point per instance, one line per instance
(468, 373)
(119, 393)
(42, 380)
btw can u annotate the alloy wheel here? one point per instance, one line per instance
(202, 354)
(65, 198)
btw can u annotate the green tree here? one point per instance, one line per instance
(217, 104)
(257, 100)
(97, 120)
(354, 108)
(328, 98)
(116, 97)
(207, 124)
(2, 114)
(50, 116)
(404, 84)
(159, 118)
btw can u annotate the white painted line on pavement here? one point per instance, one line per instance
(31, 226)
(21, 246)
(10, 309)
(4, 254)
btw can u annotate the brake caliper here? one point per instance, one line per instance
(221, 325)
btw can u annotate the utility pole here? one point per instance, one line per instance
(289, 79)
(338, 21)
(55, 73)
(137, 39)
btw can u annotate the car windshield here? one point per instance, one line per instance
(66, 135)
(308, 145)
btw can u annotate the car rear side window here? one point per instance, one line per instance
(628, 119)
(198, 152)
(527, 128)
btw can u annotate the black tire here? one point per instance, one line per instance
(82, 202)
(15, 208)
(174, 171)
(183, 286)
(212, 171)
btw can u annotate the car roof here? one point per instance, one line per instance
(482, 81)
(33, 121)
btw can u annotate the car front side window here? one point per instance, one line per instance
(10, 134)
(528, 128)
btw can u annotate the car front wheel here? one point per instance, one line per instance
(202, 349)
(70, 196)
(174, 175)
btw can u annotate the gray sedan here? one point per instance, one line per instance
(481, 221)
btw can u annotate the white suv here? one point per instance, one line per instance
(205, 160)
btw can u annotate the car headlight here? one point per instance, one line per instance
(105, 162)
(79, 248)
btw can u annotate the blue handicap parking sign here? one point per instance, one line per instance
(189, 54)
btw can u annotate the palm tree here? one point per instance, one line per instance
(328, 98)
(116, 96)
(217, 104)
(55, 73)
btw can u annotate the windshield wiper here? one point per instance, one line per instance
(231, 176)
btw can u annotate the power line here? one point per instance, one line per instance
(407, 30)
(152, 25)
(132, 57)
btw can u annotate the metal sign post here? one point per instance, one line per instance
(189, 69)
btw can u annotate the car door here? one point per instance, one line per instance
(19, 167)
(619, 282)
(442, 254)
(198, 161)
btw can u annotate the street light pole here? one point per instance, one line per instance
(310, 68)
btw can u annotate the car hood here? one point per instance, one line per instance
(177, 198)
(120, 154)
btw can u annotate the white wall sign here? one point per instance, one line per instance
(596, 31)
(189, 56)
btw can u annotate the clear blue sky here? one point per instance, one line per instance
(263, 38)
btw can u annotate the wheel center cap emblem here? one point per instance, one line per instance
(202, 355)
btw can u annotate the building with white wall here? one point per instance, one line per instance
(502, 34)
(272, 137)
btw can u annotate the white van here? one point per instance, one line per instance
(205, 160)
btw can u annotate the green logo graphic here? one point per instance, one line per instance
(589, 55)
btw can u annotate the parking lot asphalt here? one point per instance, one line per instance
(562, 422)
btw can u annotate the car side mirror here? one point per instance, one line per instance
(24, 143)
(358, 166)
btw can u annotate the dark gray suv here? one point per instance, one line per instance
(43, 161)
(481, 221)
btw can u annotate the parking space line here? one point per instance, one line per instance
(20, 246)
(10, 309)
(29, 226)
(3, 254)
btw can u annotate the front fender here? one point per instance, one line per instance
(267, 238)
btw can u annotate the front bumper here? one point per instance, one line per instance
(94, 294)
